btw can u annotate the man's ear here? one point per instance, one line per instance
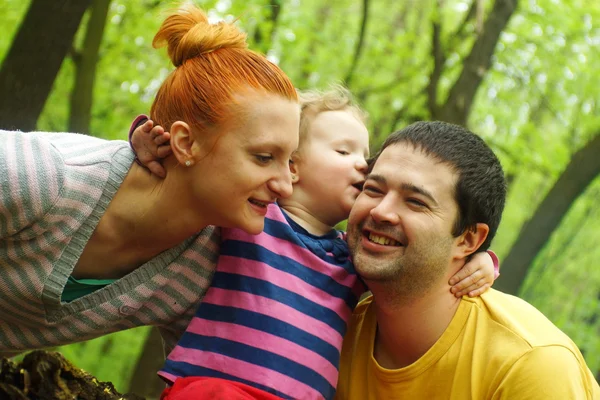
(183, 143)
(470, 240)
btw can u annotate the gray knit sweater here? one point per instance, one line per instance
(54, 188)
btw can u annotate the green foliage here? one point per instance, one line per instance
(538, 104)
(12, 12)
(111, 358)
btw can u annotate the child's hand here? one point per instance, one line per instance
(475, 277)
(151, 144)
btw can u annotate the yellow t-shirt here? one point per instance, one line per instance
(497, 346)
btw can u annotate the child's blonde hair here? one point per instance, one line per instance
(336, 98)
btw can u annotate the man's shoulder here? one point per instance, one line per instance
(523, 351)
(518, 320)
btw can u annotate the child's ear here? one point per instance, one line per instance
(295, 168)
(470, 240)
(183, 143)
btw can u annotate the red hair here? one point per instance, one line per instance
(213, 64)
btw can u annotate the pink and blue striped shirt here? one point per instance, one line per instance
(275, 314)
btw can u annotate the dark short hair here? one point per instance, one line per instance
(481, 187)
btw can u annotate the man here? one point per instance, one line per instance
(433, 197)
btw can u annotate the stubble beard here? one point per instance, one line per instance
(407, 276)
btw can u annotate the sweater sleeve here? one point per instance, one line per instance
(31, 177)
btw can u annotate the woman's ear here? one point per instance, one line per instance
(470, 240)
(183, 143)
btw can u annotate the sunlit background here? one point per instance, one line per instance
(526, 79)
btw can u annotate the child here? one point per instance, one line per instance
(278, 306)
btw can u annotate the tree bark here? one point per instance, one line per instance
(580, 172)
(85, 69)
(34, 59)
(144, 381)
(264, 40)
(306, 66)
(359, 44)
(458, 104)
(437, 54)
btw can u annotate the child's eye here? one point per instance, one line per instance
(343, 152)
(263, 158)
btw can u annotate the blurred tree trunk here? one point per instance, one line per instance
(265, 31)
(359, 43)
(85, 69)
(306, 65)
(34, 59)
(144, 381)
(457, 106)
(535, 233)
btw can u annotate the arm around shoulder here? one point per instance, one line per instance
(548, 373)
(31, 176)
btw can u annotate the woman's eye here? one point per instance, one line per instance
(343, 152)
(263, 158)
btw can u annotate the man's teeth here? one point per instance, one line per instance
(258, 203)
(383, 240)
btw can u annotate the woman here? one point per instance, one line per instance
(90, 243)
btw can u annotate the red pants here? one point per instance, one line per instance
(200, 388)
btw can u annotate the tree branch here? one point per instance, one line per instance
(80, 110)
(359, 44)
(438, 64)
(34, 59)
(459, 34)
(458, 105)
(259, 38)
(535, 233)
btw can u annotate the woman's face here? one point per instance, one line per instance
(248, 166)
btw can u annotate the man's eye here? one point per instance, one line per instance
(417, 202)
(371, 189)
(343, 152)
(263, 158)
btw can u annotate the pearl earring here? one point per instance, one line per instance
(188, 163)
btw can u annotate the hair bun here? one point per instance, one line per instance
(187, 34)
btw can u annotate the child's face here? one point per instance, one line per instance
(332, 165)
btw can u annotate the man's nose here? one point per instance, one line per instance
(386, 212)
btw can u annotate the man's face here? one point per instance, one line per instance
(399, 230)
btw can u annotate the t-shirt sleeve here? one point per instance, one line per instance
(548, 373)
(496, 262)
(31, 176)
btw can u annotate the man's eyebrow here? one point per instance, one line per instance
(377, 178)
(409, 187)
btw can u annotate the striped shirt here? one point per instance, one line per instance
(275, 314)
(54, 188)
